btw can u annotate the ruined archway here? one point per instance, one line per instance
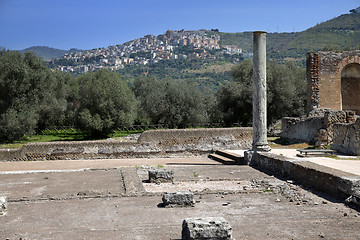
(334, 80)
(350, 87)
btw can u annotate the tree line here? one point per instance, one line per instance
(34, 97)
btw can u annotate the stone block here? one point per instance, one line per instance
(178, 199)
(349, 185)
(3, 205)
(161, 175)
(351, 116)
(214, 228)
(250, 158)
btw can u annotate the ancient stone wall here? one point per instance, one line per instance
(327, 88)
(310, 174)
(317, 127)
(150, 143)
(347, 138)
(201, 139)
(301, 129)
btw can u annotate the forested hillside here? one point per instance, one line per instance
(207, 75)
(340, 33)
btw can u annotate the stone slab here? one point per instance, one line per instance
(131, 181)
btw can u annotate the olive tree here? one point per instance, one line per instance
(105, 102)
(286, 93)
(32, 97)
(174, 103)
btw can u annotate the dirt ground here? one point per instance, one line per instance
(119, 203)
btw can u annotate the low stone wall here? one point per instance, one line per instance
(150, 143)
(347, 138)
(309, 174)
(317, 127)
(78, 150)
(202, 139)
(297, 129)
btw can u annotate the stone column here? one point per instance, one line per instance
(259, 93)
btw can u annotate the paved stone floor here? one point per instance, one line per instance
(110, 203)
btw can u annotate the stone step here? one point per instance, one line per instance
(233, 156)
(222, 159)
(228, 156)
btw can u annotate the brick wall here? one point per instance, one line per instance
(324, 79)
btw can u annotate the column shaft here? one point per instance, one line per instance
(259, 93)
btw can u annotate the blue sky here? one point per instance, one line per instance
(87, 24)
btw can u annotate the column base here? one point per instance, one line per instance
(261, 148)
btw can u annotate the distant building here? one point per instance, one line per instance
(231, 49)
(84, 69)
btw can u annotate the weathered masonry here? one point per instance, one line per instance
(166, 142)
(334, 80)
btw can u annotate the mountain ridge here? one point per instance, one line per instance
(48, 53)
(342, 32)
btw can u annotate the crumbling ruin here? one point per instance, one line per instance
(333, 103)
(333, 80)
(318, 127)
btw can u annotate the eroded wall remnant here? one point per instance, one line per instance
(318, 127)
(152, 143)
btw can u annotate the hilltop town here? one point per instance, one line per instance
(183, 44)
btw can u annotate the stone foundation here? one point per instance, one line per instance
(342, 184)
